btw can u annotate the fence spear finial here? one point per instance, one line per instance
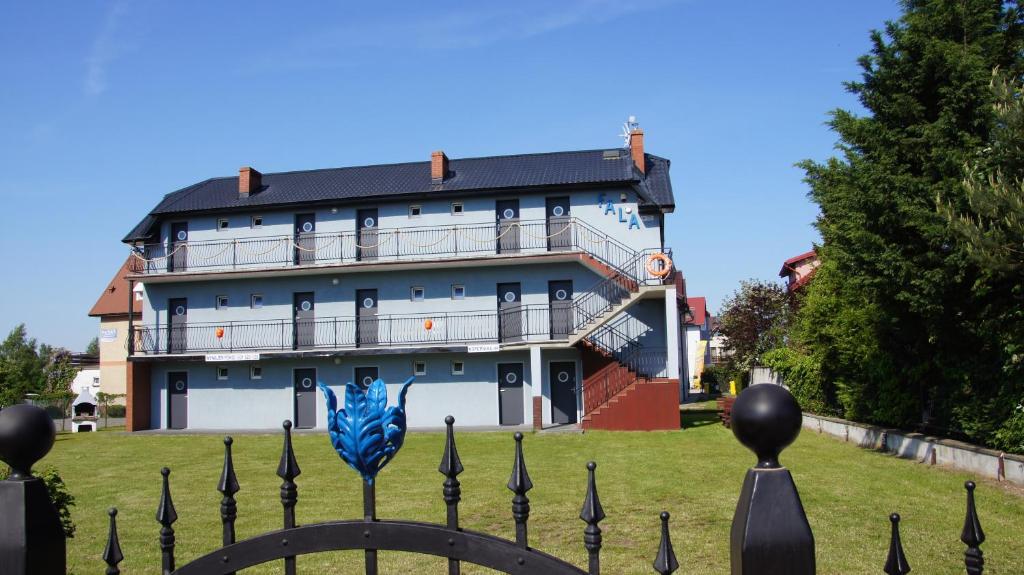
(228, 487)
(896, 563)
(665, 563)
(972, 535)
(519, 484)
(166, 516)
(112, 553)
(592, 514)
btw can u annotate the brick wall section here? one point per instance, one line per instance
(438, 167)
(137, 403)
(636, 147)
(249, 181)
(538, 412)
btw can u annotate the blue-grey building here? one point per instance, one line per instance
(519, 290)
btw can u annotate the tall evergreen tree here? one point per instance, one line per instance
(902, 313)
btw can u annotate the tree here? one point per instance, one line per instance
(105, 401)
(903, 318)
(93, 348)
(58, 375)
(753, 320)
(21, 369)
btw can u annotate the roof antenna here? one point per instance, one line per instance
(627, 128)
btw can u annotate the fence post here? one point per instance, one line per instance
(31, 534)
(770, 532)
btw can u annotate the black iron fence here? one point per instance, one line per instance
(770, 534)
(523, 323)
(380, 244)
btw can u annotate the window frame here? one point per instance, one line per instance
(252, 301)
(412, 293)
(456, 287)
(223, 373)
(418, 208)
(458, 371)
(252, 372)
(460, 211)
(221, 307)
(415, 367)
(223, 224)
(256, 222)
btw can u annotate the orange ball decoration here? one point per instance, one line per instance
(220, 332)
(428, 325)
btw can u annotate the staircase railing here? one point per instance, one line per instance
(603, 296)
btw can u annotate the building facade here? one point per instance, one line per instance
(116, 308)
(518, 290)
(697, 334)
(798, 270)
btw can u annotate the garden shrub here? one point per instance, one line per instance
(59, 495)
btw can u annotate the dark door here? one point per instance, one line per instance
(366, 317)
(178, 260)
(305, 398)
(305, 239)
(304, 325)
(507, 212)
(510, 393)
(364, 376)
(563, 392)
(366, 239)
(510, 312)
(560, 306)
(558, 224)
(177, 325)
(177, 400)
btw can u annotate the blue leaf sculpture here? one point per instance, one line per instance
(366, 433)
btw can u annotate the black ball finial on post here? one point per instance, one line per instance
(31, 533)
(770, 532)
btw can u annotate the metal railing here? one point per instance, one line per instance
(600, 299)
(381, 244)
(525, 323)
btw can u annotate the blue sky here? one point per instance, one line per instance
(107, 106)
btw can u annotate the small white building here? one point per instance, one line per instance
(87, 379)
(698, 334)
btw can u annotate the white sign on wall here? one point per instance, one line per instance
(221, 357)
(484, 348)
(108, 335)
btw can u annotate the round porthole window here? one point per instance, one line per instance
(306, 306)
(368, 303)
(508, 213)
(511, 377)
(180, 310)
(307, 226)
(367, 381)
(563, 376)
(561, 294)
(182, 235)
(558, 211)
(510, 296)
(179, 385)
(369, 223)
(307, 383)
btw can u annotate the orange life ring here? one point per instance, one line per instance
(666, 265)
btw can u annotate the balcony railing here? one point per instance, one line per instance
(525, 323)
(381, 244)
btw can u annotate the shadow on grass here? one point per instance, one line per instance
(699, 419)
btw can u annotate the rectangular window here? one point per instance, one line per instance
(256, 301)
(222, 302)
(458, 291)
(458, 368)
(456, 208)
(256, 372)
(419, 367)
(415, 211)
(257, 222)
(222, 373)
(417, 293)
(223, 224)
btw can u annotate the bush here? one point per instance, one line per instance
(115, 411)
(59, 495)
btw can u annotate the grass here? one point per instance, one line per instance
(695, 474)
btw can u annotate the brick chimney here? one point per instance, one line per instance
(438, 167)
(636, 148)
(249, 181)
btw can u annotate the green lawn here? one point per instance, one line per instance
(695, 474)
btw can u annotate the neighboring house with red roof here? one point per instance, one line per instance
(798, 270)
(115, 319)
(697, 329)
